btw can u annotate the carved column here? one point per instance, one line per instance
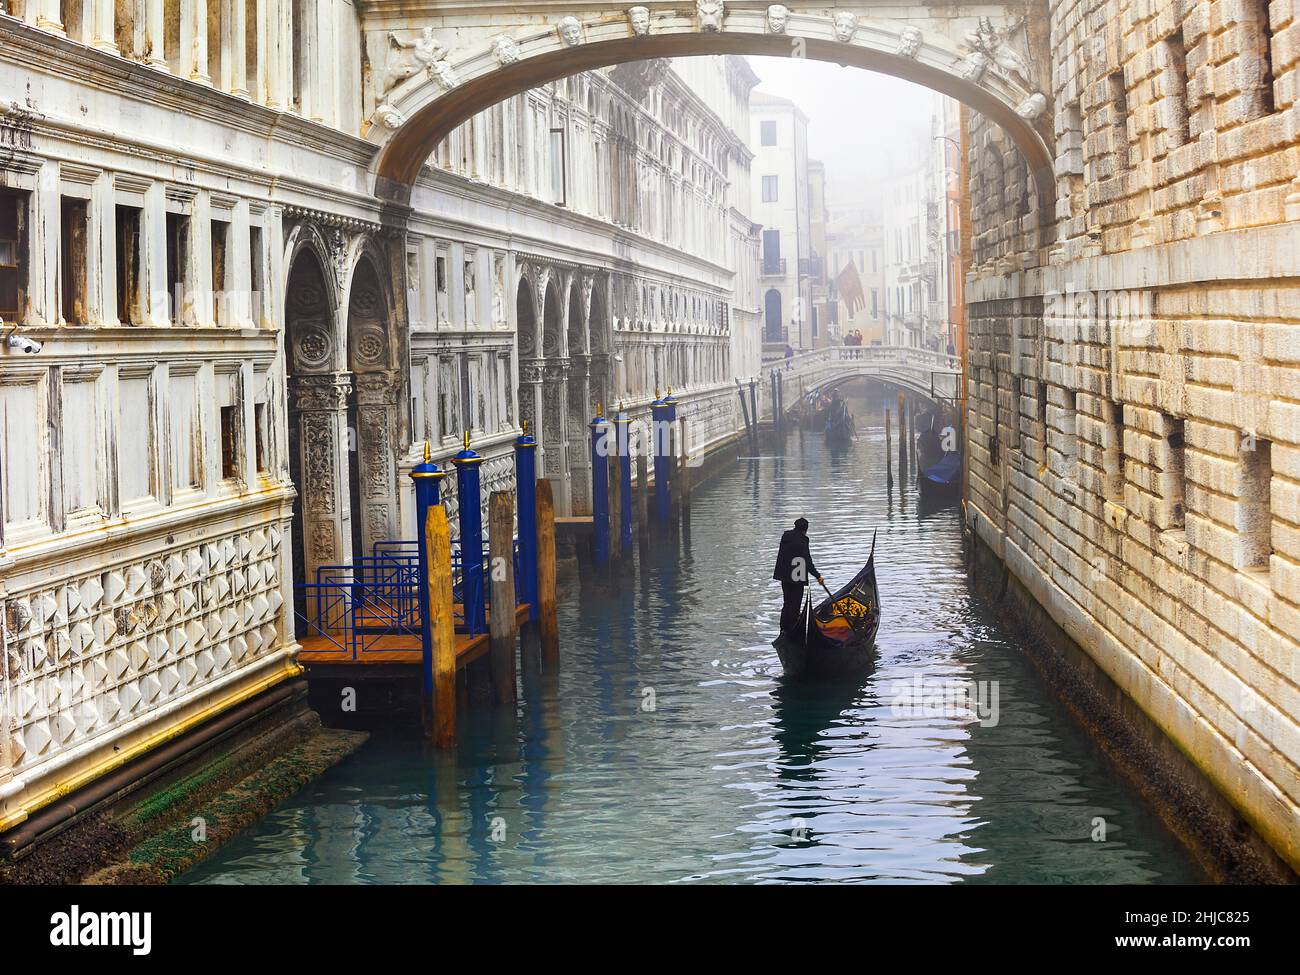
(194, 41)
(48, 16)
(581, 409)
(102, 28)
(554, 397)
(150, 41)
(320, 404)
(530, 396)
(376, 452)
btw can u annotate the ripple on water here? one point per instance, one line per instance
(735, 776)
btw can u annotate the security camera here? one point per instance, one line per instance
(23, 344)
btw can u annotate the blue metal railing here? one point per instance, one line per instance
(378, 596)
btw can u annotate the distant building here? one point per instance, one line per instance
(855, 245)
(814, 271)
(780, 203)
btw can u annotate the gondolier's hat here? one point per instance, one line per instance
(801, 524)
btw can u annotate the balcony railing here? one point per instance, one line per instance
(774, 268)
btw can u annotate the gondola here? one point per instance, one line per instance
(839, 430)
(841, 632)
(943, 479)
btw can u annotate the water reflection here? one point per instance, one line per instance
(669, 749)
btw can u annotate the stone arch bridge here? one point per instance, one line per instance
(434, 66)
(932, 375)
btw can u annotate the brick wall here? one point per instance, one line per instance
(1134, 376)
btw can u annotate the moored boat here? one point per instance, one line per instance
(840, 633)
(944, 478)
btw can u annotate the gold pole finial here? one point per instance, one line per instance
(523, 424)
(600, 408)
(467, 440)
(426, 452)
(656, 390)
(620, 406)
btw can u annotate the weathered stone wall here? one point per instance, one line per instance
(1134, 434)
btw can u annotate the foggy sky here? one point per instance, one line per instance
(854, 115)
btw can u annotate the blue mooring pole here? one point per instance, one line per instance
(428, 482)
(659, 427)
(526, 495)
(600, 431)
(471, 538)
(622, 424)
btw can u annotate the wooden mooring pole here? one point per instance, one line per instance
(902, 438)
(441, 716)
(502, 623)
(547, 623)
(889, 454)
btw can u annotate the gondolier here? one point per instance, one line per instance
(837, 637)
(794, 569)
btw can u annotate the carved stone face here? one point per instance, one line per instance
(505, 50)
(443, 72)
(389, 117)
(640, 18)
(1033, 106)
(974, 66)
(709, 14)
(776, 18)
(570, 31)
(846, 25)
(909, 44)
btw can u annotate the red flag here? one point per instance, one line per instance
(850, 288)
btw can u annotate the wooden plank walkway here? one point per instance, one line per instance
(397, 648)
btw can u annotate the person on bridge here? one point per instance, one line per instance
(794, 567)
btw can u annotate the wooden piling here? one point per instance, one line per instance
(889, 458)
(642, 491)
(441, 721)
(911, 440)
(902, 438)
(502, 625)
(615, 501)
(684, 470)
(548, 625)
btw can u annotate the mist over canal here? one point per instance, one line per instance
(669, 748)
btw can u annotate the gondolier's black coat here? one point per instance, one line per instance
(794, 576)
(794, 546)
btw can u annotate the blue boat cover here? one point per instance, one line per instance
(946, 470)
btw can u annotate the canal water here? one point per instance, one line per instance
(669, 749)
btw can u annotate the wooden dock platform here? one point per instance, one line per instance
(401, 649)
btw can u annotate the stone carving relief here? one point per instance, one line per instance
(777, 18)
(94, 653)
(709, 14)
(637, 77)
(998, 47)
(1033, 106)
(318, 462)
(974, 67)
(499, 290)
(443, 73)
(323, 549)
(639, 18)
(369, 345)
(909, 42)
(471, 293)
(505, 50)
(312, 347)
(406, 59)
(388, 117)
(570, 30)
(845, 25)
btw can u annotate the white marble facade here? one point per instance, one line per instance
(243, 352)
